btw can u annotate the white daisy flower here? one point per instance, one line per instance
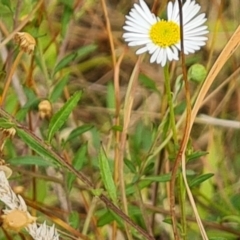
(161, 38)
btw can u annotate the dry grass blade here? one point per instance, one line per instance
(229, 49)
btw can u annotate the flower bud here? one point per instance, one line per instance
(45, 109)
(25, 41)
(197, 73)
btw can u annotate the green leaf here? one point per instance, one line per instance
(130, 165)
(97, 191)
(64, 62)
(199, 179)
(78, 131)
(196, 155)
(36, 146)
(79, 159)
(131, 188)
(106, 175)
(167, 220)
(66, 17)
(30, 160)
(7, 3)
(74, 219)
(42, 189)
(31, 104)
(161, 178)
(5, 124)
(117, 128)
(82, 52)
(61, 116)
(110, 96)
(148, 83)
(231, 218)
(58, 89)
(106, 216)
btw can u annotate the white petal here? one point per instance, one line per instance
(134, 43)
(175, 12)
(146, 14)
(152, 48)
(155, 55)
(138, 21)
(141, 50)
(169, 10)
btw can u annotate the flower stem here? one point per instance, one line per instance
(182, 199)
(170, 104)
(9, 77)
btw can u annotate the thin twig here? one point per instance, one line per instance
(185, 137)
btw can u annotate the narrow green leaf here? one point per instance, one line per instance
(66, 17)
(130, 165)
(86, 50)
(58, 89)
(30, 160)
(61, 116)
(74, 219)
(64, 62)
(131, 188)
(78, 131)
(97, 191)
(199, 179)
(34, 145)
(31, 104)
(117, 128)
(82, 52)
(196, 155)
(231, 218)
(106, 175)
(79, 159)
(5, 124)
(106, 216)
(148, 83)
(161, 178)
(42, 189)
(110, 98)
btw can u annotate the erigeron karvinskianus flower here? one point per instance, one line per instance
(161, 38)
(16, 216)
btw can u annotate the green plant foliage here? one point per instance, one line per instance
(196, 155)
(200, 179)
(60, 117)
(75, 56)
(102, 164)
(148, 83)
(78, 132)
(33, 143)
(5, 124)
(74, 219)
(58, 89)
(78, 162)
(106, 175)
(30, 160)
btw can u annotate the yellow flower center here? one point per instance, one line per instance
(165, 34)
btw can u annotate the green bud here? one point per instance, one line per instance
(197, 73)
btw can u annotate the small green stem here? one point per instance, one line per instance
(182, 199)
(170, 104)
